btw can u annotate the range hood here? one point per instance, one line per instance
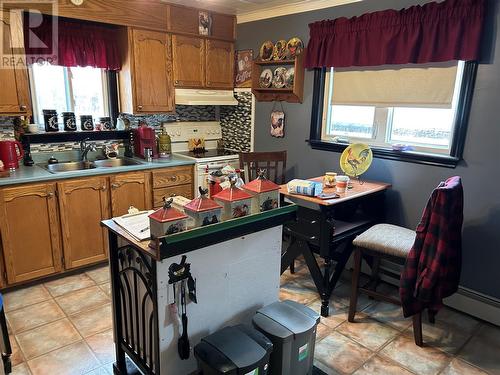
(204, 97)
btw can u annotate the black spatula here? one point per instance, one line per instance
(183, 343)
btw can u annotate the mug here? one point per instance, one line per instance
(341, 183)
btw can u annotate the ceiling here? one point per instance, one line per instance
(252, 10)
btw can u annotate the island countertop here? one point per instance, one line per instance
(37, 173)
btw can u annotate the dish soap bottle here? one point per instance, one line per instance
(164, 144)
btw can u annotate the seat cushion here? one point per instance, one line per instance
(387, 239)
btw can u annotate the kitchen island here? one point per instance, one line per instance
(236, 265)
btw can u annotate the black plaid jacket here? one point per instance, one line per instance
(432, 269)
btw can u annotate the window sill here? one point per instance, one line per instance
(384, 153)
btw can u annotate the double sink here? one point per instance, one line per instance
(73, 166)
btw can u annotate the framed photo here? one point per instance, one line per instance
(204, 23)
(243, 69)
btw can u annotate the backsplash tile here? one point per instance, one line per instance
(182, 113)
(236, 123)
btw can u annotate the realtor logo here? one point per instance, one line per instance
(27, 36)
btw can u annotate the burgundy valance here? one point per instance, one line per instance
(433, 32)
(79, 43)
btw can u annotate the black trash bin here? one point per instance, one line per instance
(292, 330)
(234, 350)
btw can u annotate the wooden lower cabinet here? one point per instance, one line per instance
(83, 204)
(130, 189)
(47, 228)
(31, 239)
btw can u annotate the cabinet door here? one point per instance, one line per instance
(14, 95)
(31, 239)
(130, 189)
(189, 61)
(220, 64)
(83, 204)
(154, 91)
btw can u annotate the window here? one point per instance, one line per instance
(422, 108)
(80, 90)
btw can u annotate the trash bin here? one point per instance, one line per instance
(292, 329)
(234, 350)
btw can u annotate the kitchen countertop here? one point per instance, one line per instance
(37, 173)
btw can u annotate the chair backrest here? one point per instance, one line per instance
(273, 162)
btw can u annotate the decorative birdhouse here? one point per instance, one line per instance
(265, 193)
(167, 220)
(203, 210)
(235, 202)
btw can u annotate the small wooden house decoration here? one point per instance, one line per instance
(265, 194)
(202, 210)
(235, 202)
(167, 220)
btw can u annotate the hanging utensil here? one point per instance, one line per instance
(192, 289)
(183, 343)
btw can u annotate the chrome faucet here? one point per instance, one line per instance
(85, 147)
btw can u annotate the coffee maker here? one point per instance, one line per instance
(145, 138)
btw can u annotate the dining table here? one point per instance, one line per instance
(324, 229)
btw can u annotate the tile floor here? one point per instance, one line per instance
(64, 327)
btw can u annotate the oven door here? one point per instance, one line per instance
(204, 169)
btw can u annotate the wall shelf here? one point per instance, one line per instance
(289, 94)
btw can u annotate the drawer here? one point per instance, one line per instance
(184, 190)
(172, 176)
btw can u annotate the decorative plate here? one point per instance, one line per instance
(356, 159)
(279, 78)
(266, 78)
(266, 51)
(294, 47)
(279, 51)
(289, 77)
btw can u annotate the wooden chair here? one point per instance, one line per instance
(391, 242)
(274, 162)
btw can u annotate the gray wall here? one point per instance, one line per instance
(412, 183)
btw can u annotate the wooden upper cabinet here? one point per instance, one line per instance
(223, 26)
(83, 204)
(146, 76)
(153, 71)
(130, 189)
(14, 95)
(189, 61)
(220, 64)
(31, 239)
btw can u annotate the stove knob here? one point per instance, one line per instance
(217, 131)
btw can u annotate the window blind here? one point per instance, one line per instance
(430, 87)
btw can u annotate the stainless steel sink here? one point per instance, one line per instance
(119, 162)
(72, 166)
(69, 166)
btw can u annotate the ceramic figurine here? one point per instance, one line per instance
(235, 202)
(265, 193)
(203, 210)
(167, 220)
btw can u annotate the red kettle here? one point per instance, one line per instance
(10, 153)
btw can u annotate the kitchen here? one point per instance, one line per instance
(161, 66)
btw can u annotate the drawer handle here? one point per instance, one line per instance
(173, 195)
(22, 107)
(115, 186)
(139, 107)
(173, 178)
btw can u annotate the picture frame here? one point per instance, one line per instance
(204, 23)
(243, 68)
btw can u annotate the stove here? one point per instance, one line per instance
(212, 158)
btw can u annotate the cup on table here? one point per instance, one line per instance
(341, 183)
(329, 179)
(33, 128)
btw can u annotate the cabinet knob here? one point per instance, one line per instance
(176, 82)
(22, 107)
(209, 83)
(103, 188)
(173, 178)
(115, 186)
(173, 195)
(139, 107)
(50, 194)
